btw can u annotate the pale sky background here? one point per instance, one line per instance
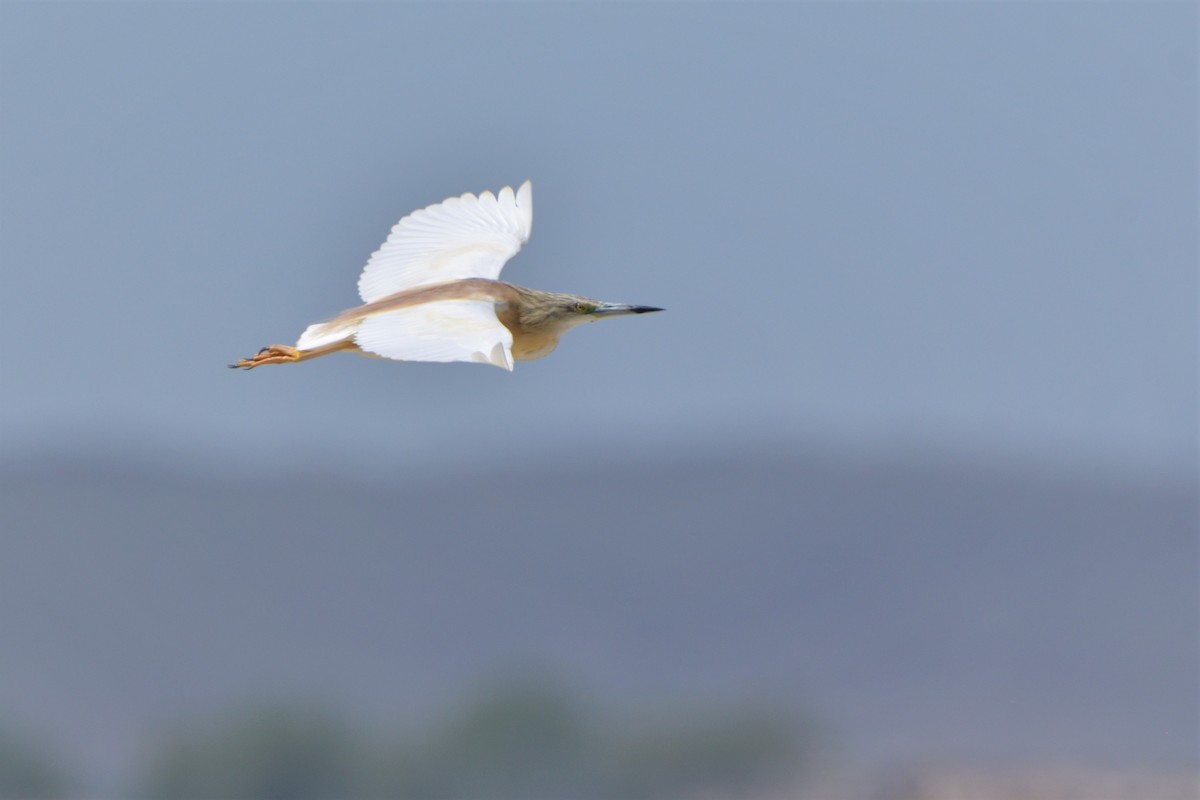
(949, 226)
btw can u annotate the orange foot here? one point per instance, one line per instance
(274, 354)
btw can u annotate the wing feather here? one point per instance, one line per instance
(461, 237)
(446, 330)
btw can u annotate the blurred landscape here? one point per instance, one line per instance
(897, 501)
(709, 622)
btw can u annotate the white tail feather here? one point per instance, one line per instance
(326, 333)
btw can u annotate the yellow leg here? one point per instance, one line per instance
(286, 354)
(274, 354)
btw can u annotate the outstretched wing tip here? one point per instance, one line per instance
(525, 205)
(461, 237)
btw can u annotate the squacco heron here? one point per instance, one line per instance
(432, 293)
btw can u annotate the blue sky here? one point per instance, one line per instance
(876, 226)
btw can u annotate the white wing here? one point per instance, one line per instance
(463, 237)
(446, 330)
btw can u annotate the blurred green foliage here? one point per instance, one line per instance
(516, 740)
(736, 753)
(27, 769)
(274, 754)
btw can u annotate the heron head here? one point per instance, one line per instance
(568, 310)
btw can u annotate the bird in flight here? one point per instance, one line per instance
(432, 293)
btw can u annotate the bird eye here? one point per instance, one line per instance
(580, 308)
